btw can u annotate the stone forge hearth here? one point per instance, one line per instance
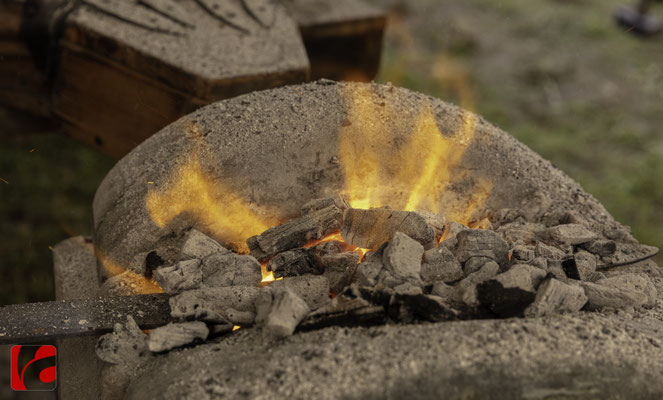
(351, 241)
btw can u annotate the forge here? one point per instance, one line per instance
(522, 283)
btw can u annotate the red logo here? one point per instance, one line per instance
(33, 368)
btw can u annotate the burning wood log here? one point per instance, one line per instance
(295, 233)
(368, 229)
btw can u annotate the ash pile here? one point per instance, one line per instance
(340, 266)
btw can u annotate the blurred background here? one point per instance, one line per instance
(559, 75)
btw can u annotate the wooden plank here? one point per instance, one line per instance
(343, 38)
(11, 12)
(110, 107)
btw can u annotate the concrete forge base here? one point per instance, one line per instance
(278, 149)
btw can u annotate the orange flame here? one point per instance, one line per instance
(141, 283)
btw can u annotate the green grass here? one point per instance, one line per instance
(48, 199)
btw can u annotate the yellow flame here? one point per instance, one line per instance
(141, 284)
(394, 158)
(236, 327)
(218, 209)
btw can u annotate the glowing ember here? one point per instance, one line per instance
(140, 283)
(236, 327)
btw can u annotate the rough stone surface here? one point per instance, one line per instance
(481, 243)
(286, 312)
(174, 335)
(603, 356)
(369, 269)
(126, 345)
(554, 296)
(198, 245)
(185, 275)
(231, 270)
(571, 234)
(439, 264)
(402, 258)
(314, 290)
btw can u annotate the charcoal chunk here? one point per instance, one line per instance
(286, 312)
(236, 317)
(436, 221)
(295, 233)
(369, 269)
(549, 252)
(639, 283)
(554, 296)
(449, 239)
(198, 245)
(407, 307)
(482, 243)
(570, 234)
(313, 289)
(601, 296)
(447, 293)
(125, 345)
(185, 275)
(585, 264)
(210, 303)
(523, 254)
(231, 270)
(439, 264)
(175, 335)
(369, 229)
(293, 263)
(402, 259)
(601, 247)
(474, 264)
(509, 293)
(339, 269)
(467, 286)
(319, 204)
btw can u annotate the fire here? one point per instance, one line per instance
(216, 208)
(140, 283)
(395, 158)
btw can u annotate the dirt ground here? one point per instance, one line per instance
(557, 74)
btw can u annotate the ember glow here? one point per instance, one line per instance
(138, 282)
(402, 160)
